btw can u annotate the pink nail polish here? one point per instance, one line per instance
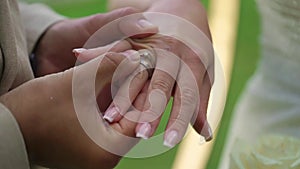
(111, 114)
(171, 139)
(78, 51)
(207, 132)
(209, 136)
(144, 131)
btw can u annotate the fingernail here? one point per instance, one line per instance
(207, 132)
(111, 114)
(171, 139)
(132, 55)
(78, 51)
(144, 131)
(145, 24)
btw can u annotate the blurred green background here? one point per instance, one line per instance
(246, 55)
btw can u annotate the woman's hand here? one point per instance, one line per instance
(189, 99)
(45, 111)
(187, 103)
(179, 72)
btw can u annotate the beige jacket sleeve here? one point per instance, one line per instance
(12, 148)
(36, 19)
(16, 41)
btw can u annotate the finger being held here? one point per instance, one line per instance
(84, 55)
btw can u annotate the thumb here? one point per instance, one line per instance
(116, 25)
(115, 66)
(97, 21)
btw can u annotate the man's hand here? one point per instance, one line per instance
(49, 116)
(54, 51)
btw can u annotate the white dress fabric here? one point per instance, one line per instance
(270, 103)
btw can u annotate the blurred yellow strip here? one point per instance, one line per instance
(223, 17)
(114, 4)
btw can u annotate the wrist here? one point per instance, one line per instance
(53, 53)
(11, 101)
(35, 56)
(24, 105)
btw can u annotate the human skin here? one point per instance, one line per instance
(54, 54)
(164, 83)
(49, 124)
(47, 119)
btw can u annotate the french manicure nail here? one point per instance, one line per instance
(132, 55)
(78, 51)
(207, 132)
(171, 139)
(210, 135)
(145, 24)
(144, 131)
(111, 114)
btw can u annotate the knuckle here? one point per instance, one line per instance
(110, 58)
(172, 42)
(189, 96)
(193, 59)
(93, 21)
(162, 84)
(95, 18)
(127, 10)
(165, 42)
